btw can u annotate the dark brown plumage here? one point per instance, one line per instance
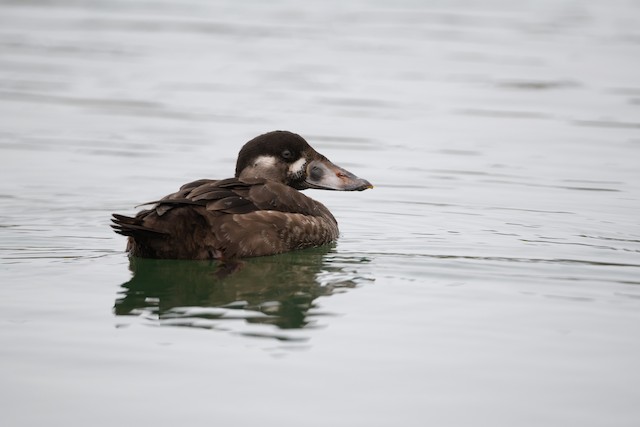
(259, 212)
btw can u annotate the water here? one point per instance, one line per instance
(490, 278)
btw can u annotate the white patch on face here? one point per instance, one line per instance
(296, 167)
(265, 162)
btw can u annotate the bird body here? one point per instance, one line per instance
(259, 212)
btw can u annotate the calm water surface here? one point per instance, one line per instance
(492, 277)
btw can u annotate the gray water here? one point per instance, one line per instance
(491, 277)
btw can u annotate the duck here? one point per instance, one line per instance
(260, 211)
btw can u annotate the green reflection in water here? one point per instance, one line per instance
(278, 290)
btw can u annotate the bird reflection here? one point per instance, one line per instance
(278, 290)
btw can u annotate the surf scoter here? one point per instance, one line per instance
(259, 212)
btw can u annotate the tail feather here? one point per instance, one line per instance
(128, 226)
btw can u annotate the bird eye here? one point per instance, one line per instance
(287, 154)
